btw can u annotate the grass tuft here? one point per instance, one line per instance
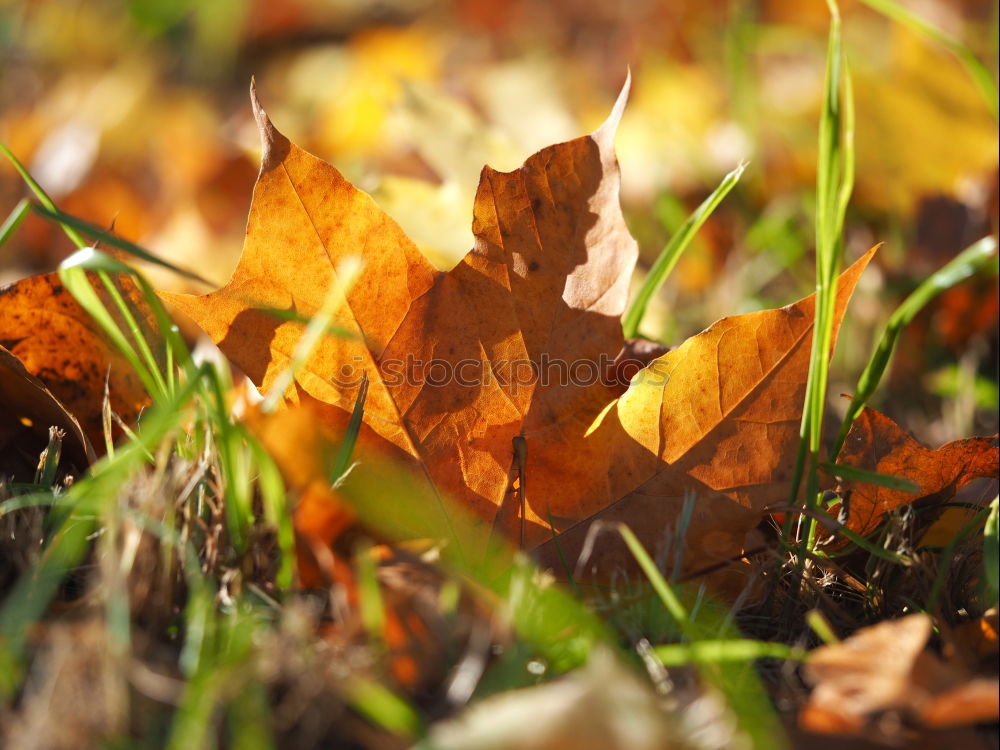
(834, 184)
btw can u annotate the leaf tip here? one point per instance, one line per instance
(850, 276)
(606, 132)
(273, 145)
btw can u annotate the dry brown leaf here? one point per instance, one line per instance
(977, 639)
(518, 343)
(601, 706)
(972, 702)
(60, 344)
(28, 410)
(886, 667)
(878, 444)
(948, 525)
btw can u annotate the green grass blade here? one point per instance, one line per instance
(870, 477)
(384, 707)
(250, 725)
(117, 560)
(31, 595)
(177, 350)
(191, 722)
(821, 627)
(239, 473)
(680, 533)
(31, 500)
(834, 184)
(563, 561)
(848, 160)
(76, 282)
(125, 311)
(221, 681)
(370, 603)
(741, 651)
(235, 456)
(991, 554)
(198, 631)
(272, 491)
(976, 257)
(673, 250)
(670, 600)
(43, 197)
(69, 222)
(836, 527)
(873, 549)
(559, 628)
(49, 460)
(14, 220)
(977, 71)
(351, 435)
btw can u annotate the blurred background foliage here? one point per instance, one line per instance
(134, 114)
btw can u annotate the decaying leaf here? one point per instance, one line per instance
(28, 410)
(516, 346)
(878, 444)
(60, 344)
(948, 525)
(599, 706)
(977, 640)
(886, 667)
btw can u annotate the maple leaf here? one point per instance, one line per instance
(876, 443)
(496, 377)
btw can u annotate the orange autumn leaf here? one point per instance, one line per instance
(60, 344)
(878, 444)
(502, 368)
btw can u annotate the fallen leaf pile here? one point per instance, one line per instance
(504, 390)
(505, 384)
(886, 668)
